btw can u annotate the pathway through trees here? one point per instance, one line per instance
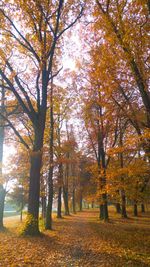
(80, 240)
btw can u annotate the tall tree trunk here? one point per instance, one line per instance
(135, 209)
(48, 225)
(123, 195)
(105, 207)
(65, 188)
(117, 204)
(101, 214)
(102, 166)
(65, 197)
(60, 183)
(104, 195)
(73, 189)
(118, 207)
(32, 225)
(50, 175)
(142, 208)
(73, 201)
(43, 199)
(123, 204)
(59, 203)
(80, 201)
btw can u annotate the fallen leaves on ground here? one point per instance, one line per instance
(80, 240)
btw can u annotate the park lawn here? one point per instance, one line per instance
(79, 240)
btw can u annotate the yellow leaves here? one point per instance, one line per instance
(3, 57)
(116, 150)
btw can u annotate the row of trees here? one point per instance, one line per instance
(109, 86)
(116, 100)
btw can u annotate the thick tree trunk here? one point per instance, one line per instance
(142, 208)
(123, 204)
(2, 201)
(135, 209)
(65, 197)
(92, 204)
(32, 222)
(59, 202)
(32, 226)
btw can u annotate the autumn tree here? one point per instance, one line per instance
(131, 35)
(33, 29)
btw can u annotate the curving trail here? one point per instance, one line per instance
(80, 240)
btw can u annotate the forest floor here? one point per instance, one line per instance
(79, 240)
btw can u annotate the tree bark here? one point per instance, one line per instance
(48, 225)
(73, 201)
(118, 207)
(80, 202)
(105, 207)
(59, 203)
(101, 161)
(123, 196)
(135, 209)
(43, 207)
(104, 195)
(65, 188)
(60, 183)
(123, 204)
(65, 197)
(101, 214)
(32, 222)
(142, 208)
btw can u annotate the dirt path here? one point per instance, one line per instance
(79, 240)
